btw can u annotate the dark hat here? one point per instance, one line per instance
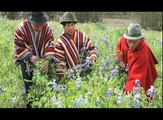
(68, 17)
(133, 32)
(37, 17)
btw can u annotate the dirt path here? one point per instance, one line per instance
(118, 22)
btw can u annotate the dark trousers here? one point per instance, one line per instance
(27, 77)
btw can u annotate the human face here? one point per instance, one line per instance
(133, 44)
(69, 29)
(37, 27)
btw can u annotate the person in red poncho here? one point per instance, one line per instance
(133, 52)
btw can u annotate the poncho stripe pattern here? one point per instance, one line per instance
(68, 50)
(26, 44)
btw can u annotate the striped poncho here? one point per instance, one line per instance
(69, 50)
(26, 44)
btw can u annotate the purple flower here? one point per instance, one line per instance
(87, 67)
(136, 90)
(89, 93)
(114, 72)
(84, 49)
(150, 91)
(109, 92)
(14, 100)
(79, 101)
(55, 87)
(98, 102)
(101, 78)
(78, 68)
(78, 84)
(72, 73)
(87, 61)
(63, 90)
(119, 100)
(84, 78)
(136, 103)
(54, 101)
(137, 82)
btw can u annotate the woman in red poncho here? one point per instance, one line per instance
(133, 52)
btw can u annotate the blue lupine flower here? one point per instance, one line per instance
(102, 69)
(119, 100)
(102, 63)
(78, 68)
(137, 82)
(114, 72)
(136, 103)
(87, 61)
(89, 93)
(101, 78)
(84, 78)
(55, 87)
(54, 101)
(84, 49)
(14, 100)
(87, 67)
(137, 96)
(126, 69)
(109, 92)
(63, 90)
(79, 101)
(136, 90)
(150, 91)
(106, 42)
(98, 102)
(71, 72)
(103, 38)
(78, 84)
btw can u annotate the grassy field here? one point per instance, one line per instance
(93, 92)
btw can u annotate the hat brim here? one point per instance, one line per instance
(67, 22)
(37, 20)
(132, 38)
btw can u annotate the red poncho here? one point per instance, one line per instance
(141, 64)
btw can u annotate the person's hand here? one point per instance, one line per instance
(62, 80)
(122, 65)
(34, 59)
(45, 67)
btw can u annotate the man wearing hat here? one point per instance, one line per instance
(73, 44)
(33, 40)
(133, 52)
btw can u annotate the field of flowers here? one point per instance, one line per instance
(101, 88)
